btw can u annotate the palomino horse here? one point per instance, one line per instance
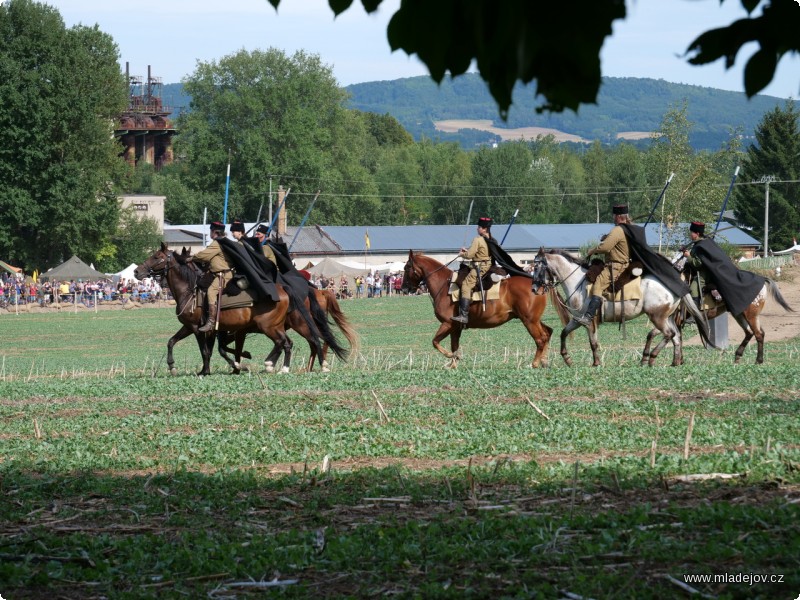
(266, 317)
(517, 300)
(749, 319)
(658, 303)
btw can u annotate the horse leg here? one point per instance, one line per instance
(455, 346)
(287, 353)
(751, 327)
(183, 332)
(569, 328)
(647, 343)
(272, 357)
(239, 339)
(206, 345)
(541, 334)
(444, 330)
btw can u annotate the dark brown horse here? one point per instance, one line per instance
(266, 317)
(322, 305)
(517, 300)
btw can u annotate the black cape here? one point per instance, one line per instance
(737, 287)
(289, 276)
(654, 264)
(502, 258)
(260, 273)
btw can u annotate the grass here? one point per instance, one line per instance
(391, 475)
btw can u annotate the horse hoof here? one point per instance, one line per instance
(325, 369)
(173, 371)
(269, 367)
(284, 369)
(325, 365)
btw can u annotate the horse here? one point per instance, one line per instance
(517, 300)
(749, 319)
(659, 304)
(322, 304)
(267, 317)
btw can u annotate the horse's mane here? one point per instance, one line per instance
(186, 271)
(566, 255)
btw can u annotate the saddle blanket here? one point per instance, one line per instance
(245, 299)
(493, 293)
(633, 291)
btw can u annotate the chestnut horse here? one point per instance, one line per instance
(517, 300)
(749, 319)
(266, 317)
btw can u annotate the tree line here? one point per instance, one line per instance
(284, 120)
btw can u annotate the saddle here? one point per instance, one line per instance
(493, 275)
(632, 272)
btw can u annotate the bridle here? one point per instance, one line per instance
(543, 277)
(409, 268)
(162, 270)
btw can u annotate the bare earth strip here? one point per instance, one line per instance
(524, 133)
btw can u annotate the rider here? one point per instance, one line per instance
(738, 288)
(261, 236)
(219, 265)
(618, 255)
(237, 230)
(481, 259)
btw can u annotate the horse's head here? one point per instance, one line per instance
(412, 274)
(542, 277)
(157, 264)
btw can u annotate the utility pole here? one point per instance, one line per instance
(766, 179)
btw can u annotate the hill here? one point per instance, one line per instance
(626, 108)
(462, 110)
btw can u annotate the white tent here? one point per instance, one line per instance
(127, 273)
(328, 267)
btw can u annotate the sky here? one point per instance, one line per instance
(171, 36)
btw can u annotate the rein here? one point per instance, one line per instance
(164, 275)
(425, 278)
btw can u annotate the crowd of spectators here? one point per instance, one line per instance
(14, 290)
(369, 285)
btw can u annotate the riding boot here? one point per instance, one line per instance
(212, 319)
(594, 303)
(463, 311)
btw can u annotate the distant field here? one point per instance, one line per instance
(525, 133)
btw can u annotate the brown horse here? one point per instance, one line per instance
(749, 319)
(322, 305)
(517, 300)
(266, 317)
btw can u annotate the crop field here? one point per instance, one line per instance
(392, 476)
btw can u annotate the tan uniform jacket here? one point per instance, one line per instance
(217, 263)
(615, 248)
(216, 259)
(478, 253)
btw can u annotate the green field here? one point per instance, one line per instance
(391, 475)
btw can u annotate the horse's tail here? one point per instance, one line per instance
(775, 292)
(324, 327)
(560, 305)
(699, 319)
(338, 316)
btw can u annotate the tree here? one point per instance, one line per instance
(775, 155)
(558, 44)
(269, 115)
(134, 240)
(62, 91)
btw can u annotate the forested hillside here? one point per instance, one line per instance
(624, 104)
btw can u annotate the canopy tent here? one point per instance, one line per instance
(126, 273)
(328, 267)
(74, 268)
(11, 269)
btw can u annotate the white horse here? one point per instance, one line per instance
(657, 302)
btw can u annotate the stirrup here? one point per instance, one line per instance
(584, 320)
(460, 319)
